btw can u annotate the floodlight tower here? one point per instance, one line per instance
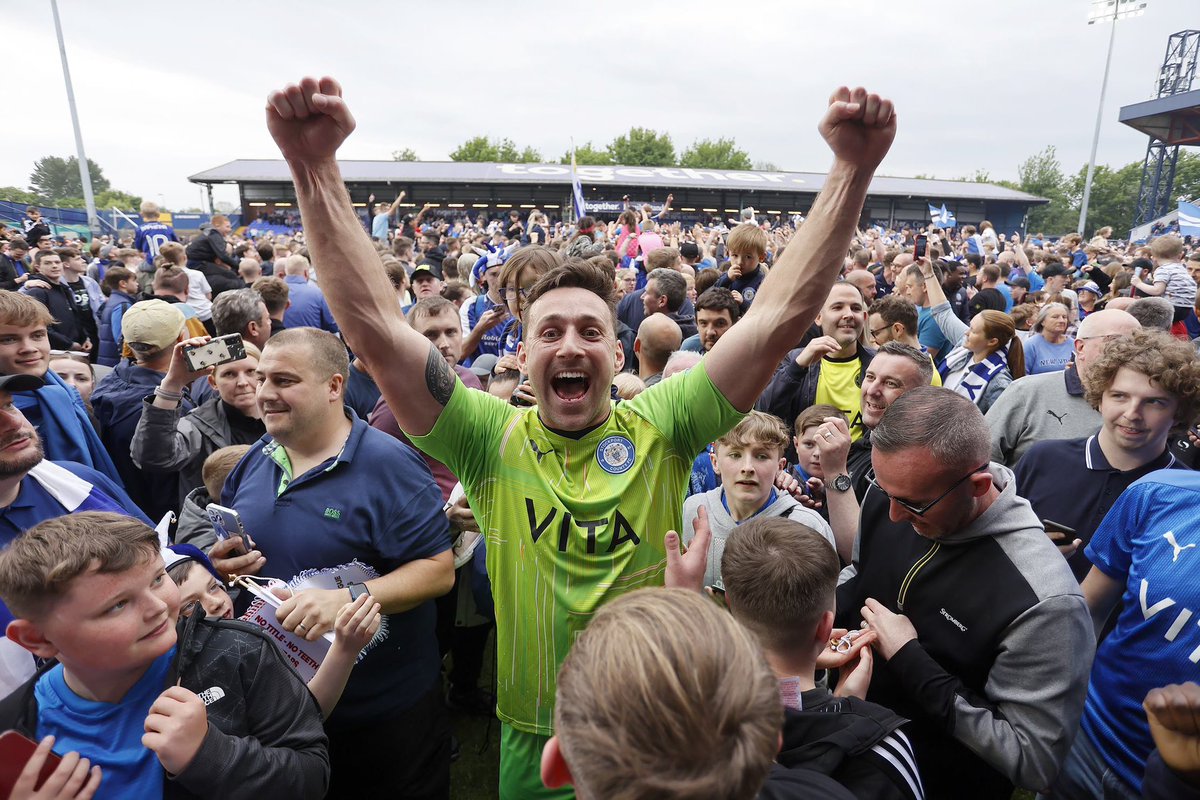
(1169, 125)
(1104, 11)
(85, 176)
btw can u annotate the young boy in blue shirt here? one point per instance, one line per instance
(161, 706)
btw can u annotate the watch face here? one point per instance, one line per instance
(842, 483)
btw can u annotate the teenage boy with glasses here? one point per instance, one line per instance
(982, 631)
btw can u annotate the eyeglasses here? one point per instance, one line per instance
(1106, 338)
(506, 292)
(913, 508)
(875, 333)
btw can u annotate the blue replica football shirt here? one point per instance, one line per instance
(150, 238)
(110, 734)
(1150, 543)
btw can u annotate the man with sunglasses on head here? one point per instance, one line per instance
(984, 636)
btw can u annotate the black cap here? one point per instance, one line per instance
(420, 270)
(1053, 270)
(20, 383)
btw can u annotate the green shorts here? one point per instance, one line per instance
(521, 767)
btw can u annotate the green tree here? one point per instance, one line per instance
(1113, 200)
(405, 154)
(122, 200)
(978, 176)
(587, 155)
(715, 154)
(642, 147)
(14, 194)
(767, 166)
(56, 178)
(1041, 174)
(481, 148)
(1187, 178)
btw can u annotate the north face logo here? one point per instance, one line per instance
(211, 695)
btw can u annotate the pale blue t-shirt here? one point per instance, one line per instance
(1041, 356)
(109, 734)
(379, 227)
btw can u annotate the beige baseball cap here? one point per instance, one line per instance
(152, 324)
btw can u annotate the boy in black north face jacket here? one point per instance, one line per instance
(158, 706)
(780, 580)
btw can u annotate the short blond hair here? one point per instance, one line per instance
(217, 467)
(38, 567)
(1167, 247)
(22, 311)
(747, 238)
(648, 707)
(758, 427)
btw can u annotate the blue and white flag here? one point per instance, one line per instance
(941, 217)
(1189, 219)
(576, 187)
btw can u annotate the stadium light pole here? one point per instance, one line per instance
(1104, 11)
(85, 174)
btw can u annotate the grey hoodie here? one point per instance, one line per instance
(722, 524)
(996, 679)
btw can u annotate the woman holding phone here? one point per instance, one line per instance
(167, 440)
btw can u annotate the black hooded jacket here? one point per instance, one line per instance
(265, 738)
(858, 744)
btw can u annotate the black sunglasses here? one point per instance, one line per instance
(913, 508)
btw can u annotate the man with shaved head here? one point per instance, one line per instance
(865, 281)
(1051, 405)
(657, 338)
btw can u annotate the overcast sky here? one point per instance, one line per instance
(169, 89)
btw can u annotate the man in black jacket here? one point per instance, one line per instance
(210, 254)
(66, 333)
(12, 265)
(829, 368)
(985, 639)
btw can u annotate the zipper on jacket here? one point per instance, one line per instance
(912, 573)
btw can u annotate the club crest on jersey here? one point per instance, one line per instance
(615, 455)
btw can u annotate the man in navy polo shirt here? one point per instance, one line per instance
(33, 490)
(1143, 385)
(343, 491)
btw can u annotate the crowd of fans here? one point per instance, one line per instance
(920, 499)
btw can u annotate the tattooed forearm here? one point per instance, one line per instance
(439, 378)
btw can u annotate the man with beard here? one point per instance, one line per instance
(33, 490)
(828, 370)
(716, 311)
(577, 494)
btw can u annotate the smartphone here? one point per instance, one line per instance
(499, 307)
(227, 523)
(15, 751)
(1051, 525)
(220, 350)
(920, 246)
(1137, 272)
